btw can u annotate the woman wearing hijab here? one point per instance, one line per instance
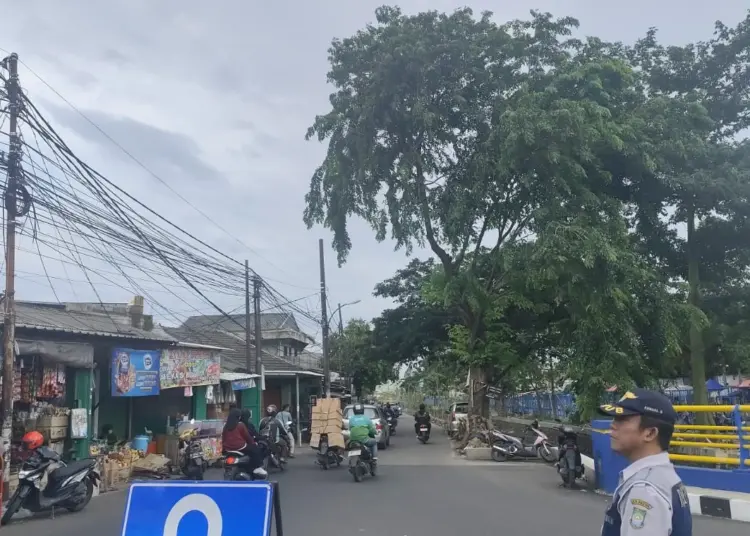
(236, 437)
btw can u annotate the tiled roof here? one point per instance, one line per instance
(232, 360)
(56, 317)
(268, 322)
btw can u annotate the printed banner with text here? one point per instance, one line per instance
(135, 372)
(188, 367)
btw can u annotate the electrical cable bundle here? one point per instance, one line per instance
(80, 219)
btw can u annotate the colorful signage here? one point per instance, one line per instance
(188, 367)
(135, 372)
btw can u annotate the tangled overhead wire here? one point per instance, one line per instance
(80, 218)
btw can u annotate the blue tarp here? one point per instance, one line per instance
(713, 385)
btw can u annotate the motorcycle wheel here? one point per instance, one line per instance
(358, 472)
(87, 498)
(546, 454)
(498, 456)
(13, 506)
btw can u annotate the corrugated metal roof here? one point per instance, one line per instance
(268, 322)
(57, 318)
(232, 360)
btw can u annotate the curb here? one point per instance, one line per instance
(721, 507)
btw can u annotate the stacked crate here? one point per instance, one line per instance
(327, 418)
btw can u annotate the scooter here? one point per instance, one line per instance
(46, 482)
(193, 462)
(424, 433)
(569, 465)
(273, 454)
(506, 447)
(360, 461)
(392, 423)
(327, 456)
(237, 467)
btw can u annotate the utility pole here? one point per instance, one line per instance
(9, 316)
(248, 353)
(324, 313)
(258, 341)
(341, 322)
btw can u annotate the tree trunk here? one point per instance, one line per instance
(697, 358)
(479, 403)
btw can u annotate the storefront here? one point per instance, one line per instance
(48, 398)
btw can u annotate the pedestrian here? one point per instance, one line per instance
(650, 499)
(285, 417)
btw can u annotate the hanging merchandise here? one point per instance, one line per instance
(188, 391)
(210, 395)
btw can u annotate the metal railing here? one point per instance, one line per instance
(684, 433)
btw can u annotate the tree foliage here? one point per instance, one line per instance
(550, 178)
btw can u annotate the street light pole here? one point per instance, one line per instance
(324, 315)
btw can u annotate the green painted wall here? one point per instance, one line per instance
(78, 395)
(199, 403)
(250, 401)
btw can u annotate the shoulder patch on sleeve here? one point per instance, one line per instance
(641, 504)
(638, 517)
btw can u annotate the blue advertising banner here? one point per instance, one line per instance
(135, 372)
(241, 385)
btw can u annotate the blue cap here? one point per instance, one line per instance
(642, 402)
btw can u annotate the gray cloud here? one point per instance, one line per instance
(230, 90)
(168, 153)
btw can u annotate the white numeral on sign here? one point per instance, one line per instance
(196, 502)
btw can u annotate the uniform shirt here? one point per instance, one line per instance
(650, 500)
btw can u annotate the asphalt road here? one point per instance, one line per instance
(421, 490)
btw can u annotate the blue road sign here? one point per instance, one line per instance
(198, 509)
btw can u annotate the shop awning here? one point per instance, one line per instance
(74, 354)
(234, 376)
(292, 373)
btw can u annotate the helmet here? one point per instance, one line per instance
(32, 440)
(568, 430)
(359, 409)
(271, 410)
(421, 407)
(388, 404)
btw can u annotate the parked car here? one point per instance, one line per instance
(457, 411)
(382, 434)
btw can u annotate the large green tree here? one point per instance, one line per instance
(352, 356)
(454, 132)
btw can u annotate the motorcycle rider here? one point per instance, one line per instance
(362, 430)
(388, 410)
(285, 418)
(271, 427)
(422, 417)
(236, 437)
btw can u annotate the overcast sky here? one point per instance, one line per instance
(216, 98)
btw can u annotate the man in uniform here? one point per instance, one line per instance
(650, 499)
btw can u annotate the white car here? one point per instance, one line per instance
(382, 431)
(458, 411)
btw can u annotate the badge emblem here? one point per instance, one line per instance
(638, 518)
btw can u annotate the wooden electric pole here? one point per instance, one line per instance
(9, 313)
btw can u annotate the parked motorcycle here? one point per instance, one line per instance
(360, 461)
(327, 456)
(46, 482)
(193, 462)
(506, 446)
(237, 467)
(569, 465)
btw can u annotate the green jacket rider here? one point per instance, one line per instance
(362, 430)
